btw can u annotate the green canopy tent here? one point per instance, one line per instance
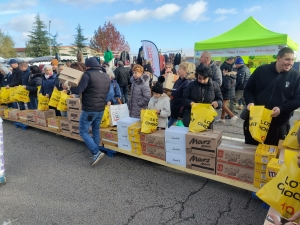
(248, 38)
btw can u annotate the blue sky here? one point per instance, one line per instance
(170, 24)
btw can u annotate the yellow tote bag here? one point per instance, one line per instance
(142, 114)
(201, 117)
(38, 89)
(150, 121)
(291, 140)
(282, 192)
(12, 92)
(55, 97)
(62, 105)
(105, 122)
(5, 95)
(43, 102)
(22, 95)
(259, 122)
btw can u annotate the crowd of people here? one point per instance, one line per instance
(222, 87)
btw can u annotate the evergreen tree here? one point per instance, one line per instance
(54, 45)
(38, 43)
(79, 41)
(7, 46)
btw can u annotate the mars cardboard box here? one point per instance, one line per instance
(53, 123)
(73, 104)
(23, 114)
(154, 151)
(64, 125)
(45, 114)
(14, 114)
(41, 122)
(156, 139)
(204, 143)
(236, 153)
(264, 153)
(31, 118)
(71, 75)
(74, 128)
(74, 115)
(202, 163)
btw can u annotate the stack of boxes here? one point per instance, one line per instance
(154, 144)
(74, 112)
(175, 139)
(42, 116)
(54, 123)
(201, 150)
(109, 137)
(23, 115)
(14, 114)
(2, 108)
(134, 136)
(235, 160)
(122, 126)
(263, 155)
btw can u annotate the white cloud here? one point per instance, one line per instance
(143, 14)
(78, 2)
(195, 11)
(21, 23)
(16, 6)
(253, 9)
(7, 12)
(221, 18)
(225, 11)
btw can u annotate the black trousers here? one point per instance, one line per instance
(276, 133)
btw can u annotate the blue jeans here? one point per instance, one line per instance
(21, 105)
(33, 103)
(124, 91)
(84, 125)
(172, 120)
(12, 105)
(64, 113)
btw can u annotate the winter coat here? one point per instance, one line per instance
(140, 57)
(108, 56)
(5, 79)
(216, 72)
(35, 80)
(122, 76)
(25, 76)
(200, 93)
(124, 57)
(177, 59)
(228, 86)
(16, 77)
(225, 66)
(140, 95)
(163, 104)
(113, 93)
(48, 85)
(242, 77)
(176, 96)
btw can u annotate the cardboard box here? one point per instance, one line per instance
(136, 148)
(259, 183)
(108, 143)
(2, 112)
(64, 125)
(14, 114)
(270, 221)
(273, 168)
(236, 153)
(202, 163)
(170, 79)
(74, 104)
(41, 122)
(109, 134)
(45, 114)
(261, 167)
(74, 128)
(135, 129)
(6, 112)
(54, 123)
(71, 75)
(235, 172)
(155, 139)
(262, 175)
(124, 123)
(154, 151)
(31, 118)
(134, 138)
(179, 160)
(264, 153)
(74, 115)
(204, 143)
(123, 135)
(23, 114)
(179, 149)
(125, 145)
(176, 134)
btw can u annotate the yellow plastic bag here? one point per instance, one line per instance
(38, 89)
(54, 100)
(62, 105)
(22, 95)
(150, 121)
(291, 140)
(43, 102)
(105, 122)
(283, 192)
(12, 92)
(259, 122)
(142, 114)
(5, 95)
(201, 117)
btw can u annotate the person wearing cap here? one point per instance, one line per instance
(54, 64)
(202, 90)
(94, 86)
(148, 70)
(140, 92)
(23, 66)
(161, 103)
(206, 60)
(122, 76)
(16, 78)
(242, 77)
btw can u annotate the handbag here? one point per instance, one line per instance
(245, 112)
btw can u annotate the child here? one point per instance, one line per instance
(161, 103)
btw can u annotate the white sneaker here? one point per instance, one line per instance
(220, 120)
(233, 119)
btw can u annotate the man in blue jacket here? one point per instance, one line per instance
(93, 86)
(23, 66)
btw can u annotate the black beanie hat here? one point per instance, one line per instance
(158, 87)
(148, 68)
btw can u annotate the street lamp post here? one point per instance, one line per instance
(50, 38)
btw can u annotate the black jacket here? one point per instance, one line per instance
(5, 80)
(242, 77)
(200, 93)
(176, 97)
(35, 80)
(140, 57)
(94, 85)
(16, 78)
(228, 86)
(124, 56)
(122, 76)
(177, 59)
(285, 94)
(226, 66)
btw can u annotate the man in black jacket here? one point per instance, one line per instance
(228, 63)
(16, 77)
(282, 98)
(122, 76)
(93, 86)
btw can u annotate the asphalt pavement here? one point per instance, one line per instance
(49, 181)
